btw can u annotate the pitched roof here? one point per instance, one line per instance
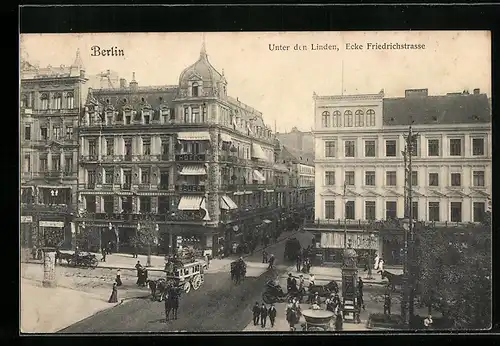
(134, 98)
(297, 156)
(447, 109)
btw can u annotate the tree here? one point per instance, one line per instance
(454, 274)
(147, 235)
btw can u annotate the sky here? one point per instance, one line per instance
(280, 83)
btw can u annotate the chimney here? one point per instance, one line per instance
(477, 91)
(123, 83)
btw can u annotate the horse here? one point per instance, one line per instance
(323, 290)
(392, 278)
(172, 302)
(159, 286)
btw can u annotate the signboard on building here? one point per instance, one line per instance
(55, 224)
(26, 219)
(358, 240)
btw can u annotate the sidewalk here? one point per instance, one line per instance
(47, 310)
(127, 262)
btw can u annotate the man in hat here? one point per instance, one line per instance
(329, 303)
(302, 284)
(271, 262)
(256, 313)
(263, 315)
(272, 315)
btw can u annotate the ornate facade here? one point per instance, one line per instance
(50, 104)
(360, 167)
(195, 160)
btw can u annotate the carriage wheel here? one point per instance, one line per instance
(94, 263)
(196, 283)
(186, 287)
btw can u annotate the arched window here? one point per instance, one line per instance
(370, 117)
(194, 89)
(57, 101)
(336, 119)
(347, 119)
(70, 100)
(45, 101)
(359, 119)
(326, 119)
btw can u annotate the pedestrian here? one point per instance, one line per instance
(272, 315)
(329, 303)
(360, 291)
(256, 313)
(144, 277)
(338, 321)
(298, 262)
(118, 278)
(109, 247)
(207, 259)
(264, 256)
(271, 262)
(263, 315)
(290, 315)
(114, 294)
(387, 304)
(428, 322)
(138, 267)
(312, 280)
(103, 251)
(134, 250)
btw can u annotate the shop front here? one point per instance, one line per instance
(53, 233)
(331, 244)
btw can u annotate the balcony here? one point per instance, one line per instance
(166, 187)
(190, 188)
(246, 187)
(71, 111)
(89, 158)
(165, 157)
(191, 157)
(53, 174)
(127, 157)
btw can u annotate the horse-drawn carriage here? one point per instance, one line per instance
(292, 249)
(78, 259)
(273, 293)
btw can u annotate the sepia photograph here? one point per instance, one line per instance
(289, 182)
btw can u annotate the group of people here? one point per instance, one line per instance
(142, 274)
(269, 259)
(303, 261)
(262, 312)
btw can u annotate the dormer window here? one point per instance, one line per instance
(109, 118)
(195, 89)
(128, 118)
(146, 117)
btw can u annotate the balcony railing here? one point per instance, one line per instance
(59, 208)
(393, 224)
(190, 188)
(191, 157)
(166, 187)
(246, 187)
(89, 158)
(127, 157)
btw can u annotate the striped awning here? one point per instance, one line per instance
(193, 136)
(193, 170)
(257, 152)
(190, 203)
(225, 137)
(227, 203)
(203, 206)
(258, 176)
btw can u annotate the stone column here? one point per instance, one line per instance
(49, 161)
(49, 273)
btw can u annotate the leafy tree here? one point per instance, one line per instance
(147, 235)
(454, 273)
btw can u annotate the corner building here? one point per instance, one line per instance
(359, 141)
(195, 159)
(51, 100)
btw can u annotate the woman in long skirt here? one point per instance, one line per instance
(114, 295)
(118, 278)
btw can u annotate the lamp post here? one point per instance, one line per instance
(345, 214)
(407, 303)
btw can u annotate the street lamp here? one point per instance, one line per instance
(407, 302)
